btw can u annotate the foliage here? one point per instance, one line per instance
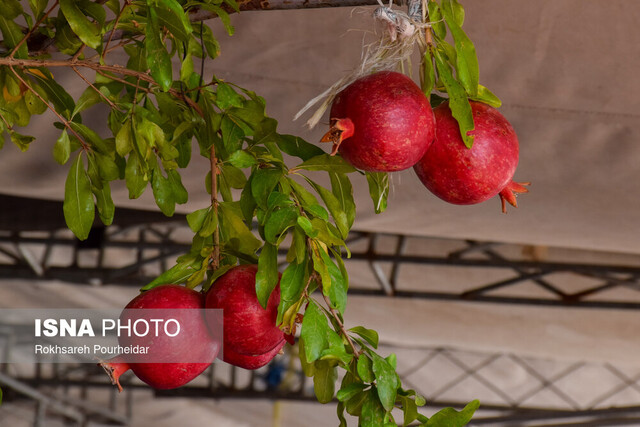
(156, 110)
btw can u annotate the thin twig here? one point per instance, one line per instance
(35, 26)
(78, 53)
(336, 317)
(115, 25)
(6, 123)
(62, 119)
(111, 104)
(215, 262)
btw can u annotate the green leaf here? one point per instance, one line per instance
(292, 283)
(350, 391)
(428, 74)
(124, 139)
(163, 193)
(466, 58)
(224, 16)
(107, 167)
(308, 368)
(172, 15)
(263, 183)
(158, 58)
(89, 98)
(209, 225)
(34, 104)
(267, 275)
(458, 102)
(325, 162)
(176, 274)
(21, 141)
(180, 194)
(12, 34)
(234, 231)
(37, 7)
(337, 291)
(341, 188)
(242, 159)
(378, 189)
(62, 101)
(340, 411)
(104, 203)
(335, 207)
(135, 177)
(365, 369)
(298, 147)
(435, 18)
(227, 97)
(78, 207)
(10, 9)
(458, 12)
(87, 31)
(196, 219)
(232, 134)
(386, 382)
(314, 332)
(449, 417)
(324, 380)
(278, 222)
(486, 96)
(373, 412)
(337, 350)
(234, 177)
(369, 335)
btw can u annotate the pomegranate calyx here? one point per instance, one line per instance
(508, 194)
(340, 130)
(114, 368)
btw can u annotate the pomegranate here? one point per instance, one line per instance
(194, 342)
(464, 176)
(251, 362)
(249, 329)
(381, 123)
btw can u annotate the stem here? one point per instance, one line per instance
(115, 25)
(111, 104)
(62, 119)
(336, 317)
(6, 123)
(36, 25)
(214, 204)
(78, 53)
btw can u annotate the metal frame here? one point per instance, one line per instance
(134, 254)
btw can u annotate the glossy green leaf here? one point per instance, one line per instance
(340, 412)
(458, 102)
(224, 16)
(263, 183)
(378, 189)
(242, 159)
(34, 103)
(324, 380)
(107, 167)
(337, 291)
(308, 368)
(163, 193)
(78, 207)
(325, 162)
(428, 74)
(298, 147)
(435, 18)
(278, 222)
(409, 409)
(180, 194)
(369, 335)
(373, 412)
(12, 34)
(486, 96)
(158, 58)
(386, 381)
(172, 16)
(62, 148)
(466, 58)
(351, 390)
(335, 207)
(209, 224)
(87, 31)
(234, 231)
(176, 274)
(89, 98)
(227, 97)
(458, 12)
(267, 275)
(124, 139)
(61, 100)
(314, 332)
(21, 141)
(365, 369)
(449, 417)
(337, 351)
(135, 177)
(292, 283)
(104, 203)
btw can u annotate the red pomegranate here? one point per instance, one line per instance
(193, 343)
(464, 176)
(381, 123)
(251, 337)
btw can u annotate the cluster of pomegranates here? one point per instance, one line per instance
(250, 335)
(384, 123)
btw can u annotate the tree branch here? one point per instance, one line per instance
(35, 26)
(111, 104)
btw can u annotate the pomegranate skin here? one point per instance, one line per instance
(383, 123)
(193, 342)
(249, 329)
(465, 176)
(251, 362)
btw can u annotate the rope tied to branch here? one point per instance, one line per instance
(391, 52)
